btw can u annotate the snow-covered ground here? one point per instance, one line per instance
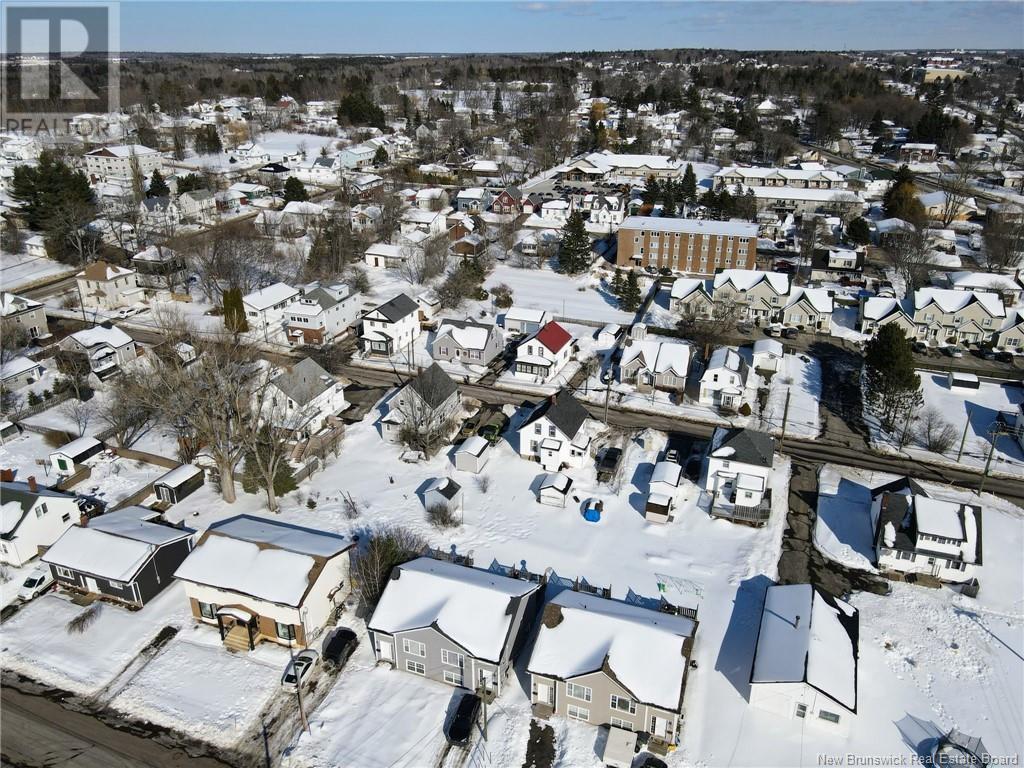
(280, 143)
(579, 298)
(977, 409)
(843, 530)
(799, 378)
(21, 270)
(196, 687)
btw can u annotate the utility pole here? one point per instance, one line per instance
(994, 432)
(785, 419)
(963, 437)
(607, 397)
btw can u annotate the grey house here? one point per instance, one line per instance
(454, 624)
(123, 555)
(466, 341)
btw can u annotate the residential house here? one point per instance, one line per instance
(608, 166)
(121, 162)
(725, 380)
(757, 295)
(364, 217)
(35, 247)
(303, 399)
(32, 517)
(663, 491)
(179, 483)
(428, 222)
(522, 320)
(606, 662)
(159, 268)
(946, 316)
(938, 205)
(731, 177)
(918, 152)
(691, 297)
(391, 328)
(554, 213)
(809, 308)
(20, 372)
(805, 661)
(24, 313)
(258, 579)
(428, 404)
(266, 309)
(651, 365)
(786, 201)
(388, 256)
(123, 556)
(840, 265)
(198, 206)
(1010, 288)
(557, 432)
(690, 245)
(542, 356)
(431, 199)
(105, 286)
(1010, 336)
(467, 341)
(876, 311)
(917, 534)
(454, 624)
(360, 156)
(738, 475)
(508, 202)
(250, 153)
(363, 185)
(605, 211)
(321, 314)
(473, 200)
(107, 347)
(161, 215)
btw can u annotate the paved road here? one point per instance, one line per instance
(39, 732)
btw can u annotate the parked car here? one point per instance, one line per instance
(339, 647)
(1004, 356)
(299, 669)
(35, 584)
(459, 730)
(920, 347)
(608, 463)
(775, 329)
(789, 333)
(954, 351)
(127, 312)
(491, 431)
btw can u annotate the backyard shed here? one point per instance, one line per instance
(445, 492)
(554, 489)
(178, 483)
(63, 459)
(472, 455)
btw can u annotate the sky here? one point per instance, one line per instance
(490, 26)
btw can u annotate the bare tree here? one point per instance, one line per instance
(957, 188)
(425, 425)
(911, 256)
(13, 338)
(80, 412)
(1004, 238)
(391, 210)
(710, 331)
(385, 548)
(934, 432)
(125, 415)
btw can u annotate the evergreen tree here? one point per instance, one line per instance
(158, 187)
(295, 190)
(652, 191)
(689, 188)
(892, 385)
(877, 127)
(207, 140)
(979, 123)
(630, 297)
(574, 253)
(858, 231)
(49, 187)
(380, 157)
(497, 106)
(234, 311)
(617, 282)
(668, 208)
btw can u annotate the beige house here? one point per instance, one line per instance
(650, 364)
(258, 579)
(879, 310)
(606, 662)
(945, 316)
(691, 297)
(759, 295)
(106, 286)
(809, 308)
(1011, 334)
(26, 313)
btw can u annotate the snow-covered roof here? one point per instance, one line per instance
(17, 366)
(745, 279)
(92, 337)
(122, 150)
(667, 472)
(472, 607)
(768, 347)
(644, 649)
(684, 286)
(525, 314)
(800, 193)
(659, 356)
(819, 298)
(879, 307)
(725, 357)
(808, 636)
(557, 480)
(179, 475)
(691, 226)
(938, 518)
(268, 297)
(949, 300)
(468, 335)
(78, 446)
(474, 445)
(787, 174)
(10, 303)
(295, 538)
(984, 280)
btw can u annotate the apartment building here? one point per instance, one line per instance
(797, 178)
(686, 245)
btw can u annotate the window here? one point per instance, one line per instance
(619, 723)
(551, 430)
(206, 610)
(284, 631)
(623, 704)
(65, 573)
(831, 717)
(413, 647)
(454, 678)
(538, 429)
(65, 517)
(415, 667)
(578, 713)
(801, 710)
(116, 584)
(581, 692)
(452, 659)
(533, 445)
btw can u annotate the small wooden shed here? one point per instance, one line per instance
(179, 483)
(472, 455)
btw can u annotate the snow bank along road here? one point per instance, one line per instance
(1011, 489)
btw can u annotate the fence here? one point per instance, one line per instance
(149, 458)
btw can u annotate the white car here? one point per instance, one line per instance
(35, 584)
(126, 312)
(299, 669)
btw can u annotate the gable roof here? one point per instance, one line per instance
(397, 308)
(267, 297)
(949, 300)
(16, 499)
(745, 279)
(747, 446)
(659, 356)
(563, 410)
(434, 386)
(471, 607)
(643, 650)
(304, 381)
(807, 635)
(102, 272)
(553, 337)
(468, 334)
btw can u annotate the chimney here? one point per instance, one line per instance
(796, 624)
(32, 483)
(6, 475)
(83, 520)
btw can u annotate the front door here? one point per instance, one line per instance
(543, 693)
(164, 494)
(91, 585)
(659, 727)
(385, 651)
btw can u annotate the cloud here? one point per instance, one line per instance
(535, 7)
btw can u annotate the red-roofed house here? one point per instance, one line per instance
(542, 355)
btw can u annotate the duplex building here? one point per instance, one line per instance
(159, 268)
(321, 314)
(938, 315)
(687, 245)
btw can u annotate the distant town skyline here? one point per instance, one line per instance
(486, 26)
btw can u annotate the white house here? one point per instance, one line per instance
(105, 286)
(738, 474)
(265, 309)
(108, 348)
(724, 382)
(321, 314)
(303, 398)
(32, 517)
(359, 156)
(523, 320)
(198, 205)
(915, 533)
(557, 432)
(257, 579)
(391, 328)
(805, 662)
(542, 356)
